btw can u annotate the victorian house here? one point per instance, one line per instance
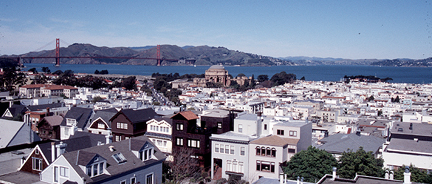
(129, 123)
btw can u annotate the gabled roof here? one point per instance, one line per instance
(274, 140)
(137, 116)
(53, 120)
(188, 115)
(81, 115)
(16, 109)
(78, 141)
(124, 147)
(339, 143)
(15, 133)
(105, 114)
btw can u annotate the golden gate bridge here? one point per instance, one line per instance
(57, 56)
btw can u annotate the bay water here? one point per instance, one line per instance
(418, 75)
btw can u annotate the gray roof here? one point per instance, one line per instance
(114, 168)
(359, 179)
(138, 116)
(410, 145)
(105, 115)
(78, 141)
(417, 129)
(247, 116)
(15, 133)
(44, 106)
(339, 143)
(81, 115)
(20, 177)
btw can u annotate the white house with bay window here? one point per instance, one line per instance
(159, 130)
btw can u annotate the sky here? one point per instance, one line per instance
(350, 29)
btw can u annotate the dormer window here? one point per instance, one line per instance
(70, 122)
(119, 158)
(146, 154)
(95, 169)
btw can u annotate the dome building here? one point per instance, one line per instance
(218, 74)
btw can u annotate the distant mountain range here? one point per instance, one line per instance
(404, 62)
(200, 55)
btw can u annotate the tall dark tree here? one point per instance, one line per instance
(262, 78)
(282, 78)
(311, 164)
(46, 69)
(360, 162)
(11, 79)
(33, 70)
(129, 83)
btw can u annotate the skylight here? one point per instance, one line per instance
(119, 158)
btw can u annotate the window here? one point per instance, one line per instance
(165, 143)
(227, 149)
(193, 143)
(273, 152)
(258, 166)
(122, 125)
(37, 151)
(217, 148)
(291, 150)
(232, 150)
(119, 158)
(263, 151)
(179, 126)
(268, 152)
(36, 164)
(265, 126)
(179, 141)
(149, 179)
(123, 182)
(219, 125)
(101, 125)
(133, 180)
(280, 132)
(293, 133)
(228, 165)
(258, 150)
(55, 174)
(240, 128)
(242, 151)
(101, 167)
(117, 138)
(64, 171)
(159, 142)
(146, 154)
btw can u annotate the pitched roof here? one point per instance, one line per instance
(105, 114)
(78, 141)
(53, 120)
(274, 140)
(124, 147)
(81, 115)
(188, 115)
(339, 143)
(138, 116)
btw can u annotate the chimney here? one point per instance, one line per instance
(391, 175)
(61, 148)
(47, 111)
(407, 175)
(53, 155)
(298, 179)
(334, 173)
(108, 139)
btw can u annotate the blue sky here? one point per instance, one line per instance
(385, 29)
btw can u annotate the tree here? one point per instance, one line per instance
(33, 70)
(262, 78)
(183, 165)
(97, 99)
(129, 83)
(312, 164)
(361, 163)
(11, 78)
(303, 78)
(46, 69)
(103, 72)
(253, 81)
(58, 72)
(417, 175)
(282, 78)
(96, 72)
(241, 75)
(371, 98)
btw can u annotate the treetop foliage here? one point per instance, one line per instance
(311, 164)
(361, 163)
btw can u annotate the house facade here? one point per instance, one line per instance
(159, 130)
(129, 123)
(136, 160)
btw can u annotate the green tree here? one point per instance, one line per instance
(282, 78)
(253, 81)
(129, 83)
(241, 75)
(262, 78)
(303, 78)
(96, 72)
(46, 69)
(417, 175)
(312, 164)
(11, 79)
(33, 70)
(360, 162)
